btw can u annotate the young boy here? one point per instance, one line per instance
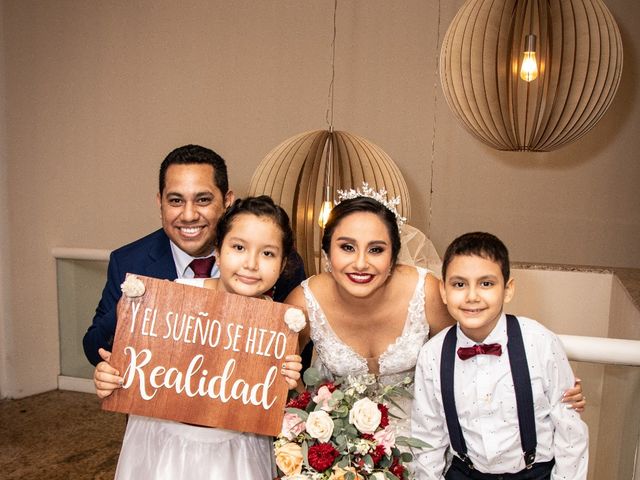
(488, 390)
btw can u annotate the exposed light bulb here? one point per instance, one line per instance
(325, 210)
(529, 67)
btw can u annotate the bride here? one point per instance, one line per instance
(367, 313)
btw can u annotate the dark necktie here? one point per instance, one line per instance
(202, 267)
(487, 349)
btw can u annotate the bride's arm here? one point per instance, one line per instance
(438, 317)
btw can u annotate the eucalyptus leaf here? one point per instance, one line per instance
(411, 442)
(341, 411)
(340, 424)
(406, 457)
(351, 430)
(305, 453)
(312, 377)
(403, 392)
(368, 461)
(341, 440)
(395, 404)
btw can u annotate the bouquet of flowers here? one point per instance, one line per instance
(340, 430)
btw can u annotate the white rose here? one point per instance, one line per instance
(132, 286)
(320, 425)
(377, 476)
(294, 319)
(365, 415)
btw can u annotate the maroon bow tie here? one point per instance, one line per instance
(202, 267)
(488, 349)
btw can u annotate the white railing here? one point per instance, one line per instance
(80, 253)
(610, 351)
(613, 351)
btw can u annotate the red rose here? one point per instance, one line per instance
(301, 401)
(377, 454)
(384, 420)
(330, 385)
(366, 436)
(321, 456)
(396, 468)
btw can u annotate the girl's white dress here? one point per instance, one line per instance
(162, 449)
(335, 358)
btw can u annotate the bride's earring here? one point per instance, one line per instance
(327, 262)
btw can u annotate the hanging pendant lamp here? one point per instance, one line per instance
(303, 173)
(530, 75)
(300, 171)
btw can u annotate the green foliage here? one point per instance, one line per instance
(312, 377)
(411, 442)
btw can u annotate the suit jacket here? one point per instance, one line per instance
(151, 256)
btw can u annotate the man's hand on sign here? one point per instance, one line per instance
(291, 369)
(106, 378)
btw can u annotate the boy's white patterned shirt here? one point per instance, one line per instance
(485, 401)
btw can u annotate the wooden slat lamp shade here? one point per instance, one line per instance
(293, 174)
(579, 53)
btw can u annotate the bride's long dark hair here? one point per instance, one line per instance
(363, 204)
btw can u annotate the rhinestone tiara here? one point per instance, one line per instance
(379, 196)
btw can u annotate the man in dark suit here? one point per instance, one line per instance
(193, 194)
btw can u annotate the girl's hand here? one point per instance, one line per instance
(291, 369)
(574, 397)
(105, 377)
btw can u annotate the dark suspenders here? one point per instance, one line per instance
(521, 384)
(447, 367)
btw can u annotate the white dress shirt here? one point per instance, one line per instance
(486, 405)
(182, 261)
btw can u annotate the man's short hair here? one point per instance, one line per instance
(195, 154)
(481, 244)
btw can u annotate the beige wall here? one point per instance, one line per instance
(98, 92)
(4, 227)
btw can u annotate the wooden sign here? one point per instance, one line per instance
(201, 356)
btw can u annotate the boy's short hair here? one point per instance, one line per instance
(481, 244)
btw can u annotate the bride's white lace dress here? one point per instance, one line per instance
(335, 358)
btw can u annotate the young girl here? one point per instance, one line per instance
(253, 240)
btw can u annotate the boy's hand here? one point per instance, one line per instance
(105, 377)
(291, 370)
(574, 397)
